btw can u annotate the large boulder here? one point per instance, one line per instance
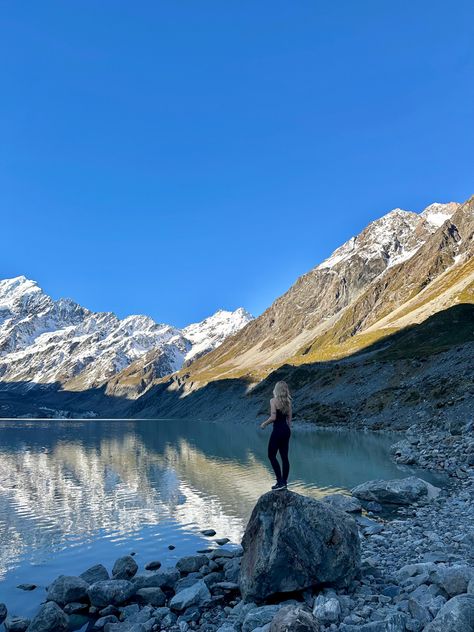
(294, 542)
(399, 491)
(50, 618)
(457, 615)
(66, 589)
(454, 580)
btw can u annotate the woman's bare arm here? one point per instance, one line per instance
(272, 417)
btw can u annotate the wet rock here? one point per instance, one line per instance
(26, 587)
(349, 504)
(403, 491)
(208, 532)
(191, 563)
(113, 592)
(455, 616)
(50, 618)
(165, 578)
(95, 573)
(196, 595)
(293, 542)
(293, 619)
(151, 596)
(16, 624)
(66, 589)
(153, 566)
(125, 568)
(222, 541)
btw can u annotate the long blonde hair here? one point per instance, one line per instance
(281, 393)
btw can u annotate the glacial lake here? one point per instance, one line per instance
(76, 493)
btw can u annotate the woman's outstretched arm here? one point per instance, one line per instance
(272, 417)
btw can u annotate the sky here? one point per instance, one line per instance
(174, 158)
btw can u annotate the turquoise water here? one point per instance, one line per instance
(76, 493)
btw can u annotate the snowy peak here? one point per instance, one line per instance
(393, 238)
(44, 341)
(212, 331)
(436, 214)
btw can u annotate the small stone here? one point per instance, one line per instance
(26, 586)
(151, 596)
(113, 592)
(222, 541)
(191, 563)
(102, 622)
(208, 532)
(153, 566)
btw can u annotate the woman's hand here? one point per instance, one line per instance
(263, 425)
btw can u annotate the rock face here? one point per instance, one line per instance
(402, 491)
(293, 542)
(50, 618)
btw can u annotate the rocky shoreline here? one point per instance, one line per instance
(414, 572)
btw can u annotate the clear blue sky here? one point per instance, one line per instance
(170, 158)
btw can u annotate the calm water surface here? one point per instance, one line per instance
(75, 493)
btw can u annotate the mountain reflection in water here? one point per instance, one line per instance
(76, 493)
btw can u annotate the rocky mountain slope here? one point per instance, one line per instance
(43, 341)
(385, 323)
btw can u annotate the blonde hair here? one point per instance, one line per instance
(281, 393)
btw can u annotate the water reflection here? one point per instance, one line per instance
(76, 493)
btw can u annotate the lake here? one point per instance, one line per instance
(76, 493)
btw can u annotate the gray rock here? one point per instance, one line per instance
(293, 619)
(164, 578)
(50, 618)
(3, 612)
(208, 532)
(403, 491)
(258, 617)
(191, 563)
(294, 542)
(393, 623)
(97, 573)
(453, 579)
(113, 592)
(103, 621)
(196, 595)
(125, 568)
(326, 610)
(222, 541)
(16, 624)
(152, 596)
(66, 589)
(457, 615)
(349, 504)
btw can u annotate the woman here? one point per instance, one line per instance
(280, 417)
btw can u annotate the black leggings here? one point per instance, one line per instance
(279, 440)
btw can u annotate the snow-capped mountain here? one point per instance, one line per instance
(393, 238)
(46, 341)
(212, 331)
